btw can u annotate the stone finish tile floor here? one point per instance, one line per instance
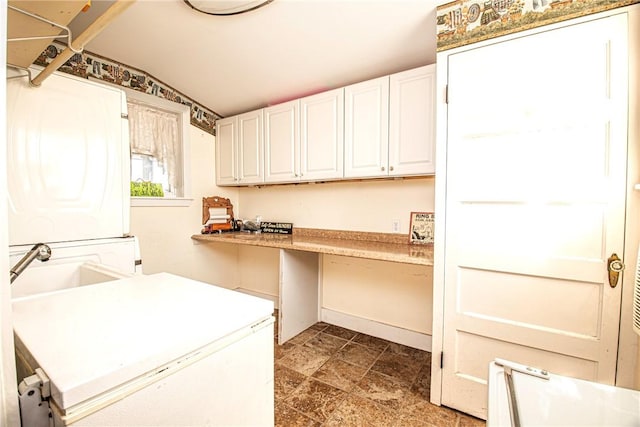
(332, 376)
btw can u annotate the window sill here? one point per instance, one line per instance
(159, 201)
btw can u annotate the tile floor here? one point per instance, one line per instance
(332, 376)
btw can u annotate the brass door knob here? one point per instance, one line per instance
(615, 267)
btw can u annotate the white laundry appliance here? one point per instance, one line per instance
(150, 350)
(76, 263)
(525, 396)
(98, 343)
(68, 179)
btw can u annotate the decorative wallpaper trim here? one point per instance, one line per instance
(87, 64)
(463, 22)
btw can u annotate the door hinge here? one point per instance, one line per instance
(441, 359)
(446, 94)
(33, 394)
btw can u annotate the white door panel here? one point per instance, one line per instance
(226, 157)
(580, 318)
(282, 142)
(411, 121)
(535, 204)
(366, 117)
(322, 135)
(250, 148)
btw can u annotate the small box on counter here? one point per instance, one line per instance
(276, 227)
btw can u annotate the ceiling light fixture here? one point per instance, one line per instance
(226, 7)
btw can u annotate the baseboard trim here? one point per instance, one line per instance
(272, 298)
(380, 330)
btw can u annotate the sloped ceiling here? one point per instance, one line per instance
(284, 50)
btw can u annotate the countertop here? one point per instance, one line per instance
(377, 246)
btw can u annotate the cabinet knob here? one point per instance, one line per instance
(391, 168)
(382, 168)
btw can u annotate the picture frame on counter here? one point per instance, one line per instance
(421, 228)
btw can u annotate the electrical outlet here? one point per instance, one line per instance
(395, 226)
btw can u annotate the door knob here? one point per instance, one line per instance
(615, 267)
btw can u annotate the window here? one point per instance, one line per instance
(158, 136)
(146, 169)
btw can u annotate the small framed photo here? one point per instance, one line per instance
(421, 228)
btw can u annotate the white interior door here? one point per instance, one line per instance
(535, 205)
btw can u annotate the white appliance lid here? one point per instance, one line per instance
(560, 401)
(93, 338)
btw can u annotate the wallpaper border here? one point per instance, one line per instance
(87, 64)
(462, 22)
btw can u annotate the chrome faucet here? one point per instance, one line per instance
(40, 251)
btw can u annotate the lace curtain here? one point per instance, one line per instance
(154, 132)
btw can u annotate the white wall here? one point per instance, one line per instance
(394, 294)
(397, 294)
(390, 293)
(164, 232)
(352, 205)
(259, 270)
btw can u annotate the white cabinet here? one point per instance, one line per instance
(367, 128)
(382, 127)
(226, 130)
(282, 142)
(304, 138)
(239, 149)
(389, 125)
(322, 136)
(250, 148)
(412, 122)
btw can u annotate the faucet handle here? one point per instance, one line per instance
(44, 252)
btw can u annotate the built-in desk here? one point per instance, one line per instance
(299, 302)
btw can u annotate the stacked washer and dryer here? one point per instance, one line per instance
(98, 342)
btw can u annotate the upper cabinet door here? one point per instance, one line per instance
(366, 128)
(322, 135)
(250, 148)
(282, 142)
(226, 164)
(412, 122)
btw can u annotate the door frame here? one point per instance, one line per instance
(628, 371)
